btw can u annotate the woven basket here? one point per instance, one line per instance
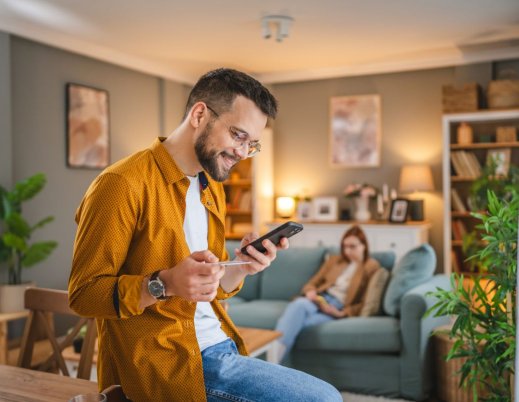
(503, 94)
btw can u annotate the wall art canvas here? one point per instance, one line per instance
(88, 142)
(355, 131)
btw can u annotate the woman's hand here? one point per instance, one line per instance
(311, 295)
(330, 310)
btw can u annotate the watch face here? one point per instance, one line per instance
(156, 289)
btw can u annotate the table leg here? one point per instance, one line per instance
(3, 342)
(273, 352)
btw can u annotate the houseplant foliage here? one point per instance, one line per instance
(485, 319)
(15, 232)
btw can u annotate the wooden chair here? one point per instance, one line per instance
(43, 304)
(115, 393)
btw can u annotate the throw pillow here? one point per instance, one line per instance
(414, 268)
(374, 292)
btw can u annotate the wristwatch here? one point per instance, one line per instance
(156, 287)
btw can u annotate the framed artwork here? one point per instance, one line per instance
(304, 211)
(398, 211)
(501, 158)
(325, 208)
(355, 131)
(88, 139)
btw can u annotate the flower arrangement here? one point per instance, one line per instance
(360, 190)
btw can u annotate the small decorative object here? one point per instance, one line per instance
(16, 249)
(325, 208)
(506, 134)
(87, 127)
(361, 194)
(465, 134)
(355, 131)
(500, 158)
(285, 207)
(398, 213)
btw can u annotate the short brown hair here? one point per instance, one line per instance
(219, 88)
(359, 234)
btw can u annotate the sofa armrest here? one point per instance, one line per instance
(416, 362)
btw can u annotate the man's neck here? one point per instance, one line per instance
(180, 145)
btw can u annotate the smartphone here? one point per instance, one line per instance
(285, 230)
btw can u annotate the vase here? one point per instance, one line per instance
(362, 212)
(12, 297)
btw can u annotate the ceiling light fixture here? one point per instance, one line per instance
(281, 24)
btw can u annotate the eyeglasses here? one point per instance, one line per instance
(241, 138)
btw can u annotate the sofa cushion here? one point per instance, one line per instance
(289, 272)
(354, 334)
(413, 269)
(374, 292)
(250, 289)
(257, 313)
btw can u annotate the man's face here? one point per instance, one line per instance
(215, 162)
(215, 148)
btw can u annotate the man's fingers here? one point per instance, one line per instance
(204, 256)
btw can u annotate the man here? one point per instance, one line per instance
(150, 230)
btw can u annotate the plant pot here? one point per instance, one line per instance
(12, 297)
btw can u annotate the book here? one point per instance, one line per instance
(455, 264)
(457, 203)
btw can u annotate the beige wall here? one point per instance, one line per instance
(411, 133)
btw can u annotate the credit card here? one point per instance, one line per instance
(228, 263)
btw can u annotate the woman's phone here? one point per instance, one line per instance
(285, 230)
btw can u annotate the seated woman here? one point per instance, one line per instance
(337, 290)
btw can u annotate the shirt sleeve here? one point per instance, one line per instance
(106, 220)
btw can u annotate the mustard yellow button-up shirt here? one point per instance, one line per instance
(130, 224)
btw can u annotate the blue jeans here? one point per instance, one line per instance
(302, 313)
(229, 376)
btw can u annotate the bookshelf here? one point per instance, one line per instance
(462, 164)
(249, 193)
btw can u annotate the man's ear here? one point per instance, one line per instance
(197, 113)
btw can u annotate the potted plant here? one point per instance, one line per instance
(361, 193)
(484, 327)
(16, 249)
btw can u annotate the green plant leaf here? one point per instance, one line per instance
(38, 252)
(26, 189)
(13, 241)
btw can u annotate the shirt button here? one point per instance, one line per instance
(209, 203)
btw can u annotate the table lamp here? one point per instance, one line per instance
(416, 178)
(285, 206)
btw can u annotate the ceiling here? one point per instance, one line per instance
(181, 40)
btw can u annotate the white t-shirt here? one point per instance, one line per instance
(207, 326)
(340, 288)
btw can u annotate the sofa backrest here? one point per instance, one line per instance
(288, 273)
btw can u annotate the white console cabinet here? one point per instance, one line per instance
(399, 238)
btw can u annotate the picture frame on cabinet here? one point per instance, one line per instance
(501, 157)
(398, 211)
(304, 211)
(87, 127)
(355, 131)
(325, 209)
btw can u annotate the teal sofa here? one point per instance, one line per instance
(386, 355)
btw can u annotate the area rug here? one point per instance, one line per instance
(349, 397)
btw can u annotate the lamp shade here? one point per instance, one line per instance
(285, 206)
(416, 178)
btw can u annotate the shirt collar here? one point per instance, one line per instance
(167, 165)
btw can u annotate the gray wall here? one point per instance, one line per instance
(39, 74)
(411, 133)
(5, 112)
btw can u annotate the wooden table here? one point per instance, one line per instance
(4, 319)
(23, 385)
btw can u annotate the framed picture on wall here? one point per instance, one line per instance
(398, 211)
(355, 131)
(88, 126)
(325, 208)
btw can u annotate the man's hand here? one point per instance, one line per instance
(194, 278)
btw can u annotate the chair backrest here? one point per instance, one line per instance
(43, 304)
(115, 393)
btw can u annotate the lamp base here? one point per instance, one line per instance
(416, 210)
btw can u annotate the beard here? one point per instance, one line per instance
(208, 158)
